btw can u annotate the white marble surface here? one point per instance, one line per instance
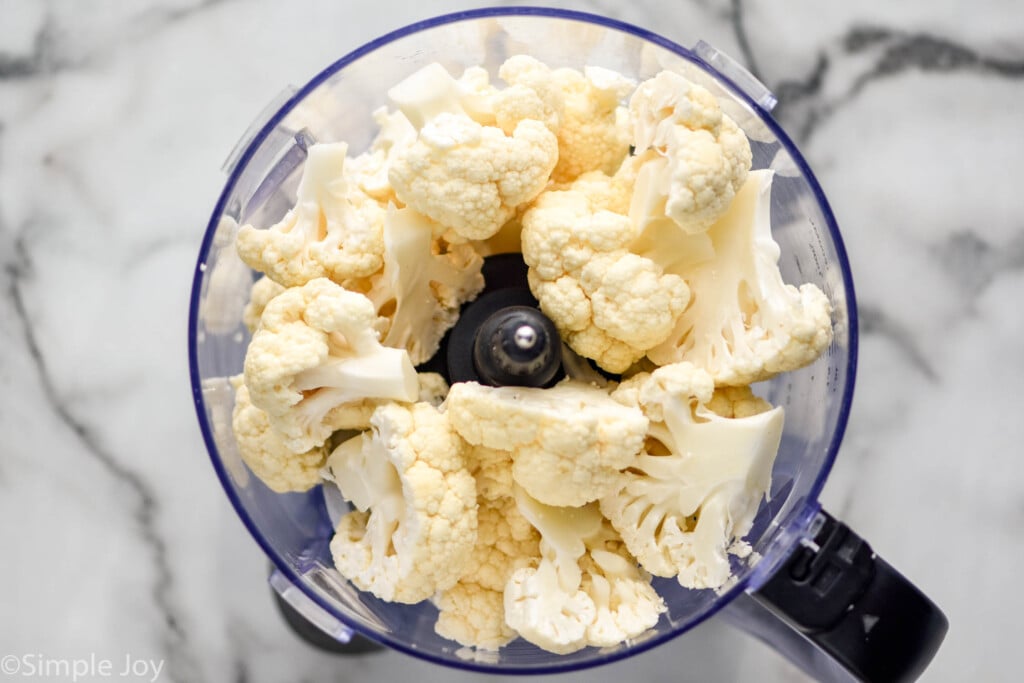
(114, 119)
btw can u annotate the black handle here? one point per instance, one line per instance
(854, 606)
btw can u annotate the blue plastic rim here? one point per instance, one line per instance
(845, 397)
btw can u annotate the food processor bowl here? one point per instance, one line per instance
(294, 529)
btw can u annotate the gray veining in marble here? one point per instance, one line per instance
(114, 120)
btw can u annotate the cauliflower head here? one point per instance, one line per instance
(414, 526)
(694, 490)
(265, 452)
(745, 324)
(316, 362)
(701, 157)
(335, 230)
(567, 443)
(608, 304)
(583, 109)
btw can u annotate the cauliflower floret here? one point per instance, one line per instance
(607, 303)
(263, 450)
(316, 361)
(695, 489)
(585, 590)
(464, 171)
(334, 230)
(431, 91)
(263, 290)
(745, 324)
(625, 602)
(433, 388)
(369, 170)
(702, 157)
(737, 402)
(492, 468)
(472, 178)
(583, 109)
(567, 443)
(473, 616)
(423, 284)
(472, 612)
(415, 523)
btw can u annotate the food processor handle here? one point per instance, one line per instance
(838, 597)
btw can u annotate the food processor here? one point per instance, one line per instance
(811, 588)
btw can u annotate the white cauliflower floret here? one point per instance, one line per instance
(431, 91)
(433, 388)
(334, 230)
(472, 612)
(266, 454)
(423, 284)
(625, 602)
(737, 402)
(472, 178)
(492, 469)
(585, 590)
(369, 170)
(263, 290)
(464, 171)
(702, 157)
(695, 489)
(583, 109)
(567, 443)
(415, 523)
(316, 361)
(608, 304)
(473, 616)
(546, 604)
(745, 324)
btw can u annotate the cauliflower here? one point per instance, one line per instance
(316, 361)
(492, 469)
(585, 590)
(737, 402)
(472, 611)
(433, 388)
(567, 443)
(431, 91)
(474, 616)
(415, 520)
(266, 454)
(607, 303)
(263, 290)
(625, 603)
(702, 157)
(581, 108)
(466, 175)
(369, 170)
(334, 230)
(695, 489)
(423, 284)
(745, 324)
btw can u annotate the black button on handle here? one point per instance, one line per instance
(855, 607)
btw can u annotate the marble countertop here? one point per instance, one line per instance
(117, 540)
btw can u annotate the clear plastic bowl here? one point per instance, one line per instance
(294, 529)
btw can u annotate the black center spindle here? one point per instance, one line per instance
(517, 345)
